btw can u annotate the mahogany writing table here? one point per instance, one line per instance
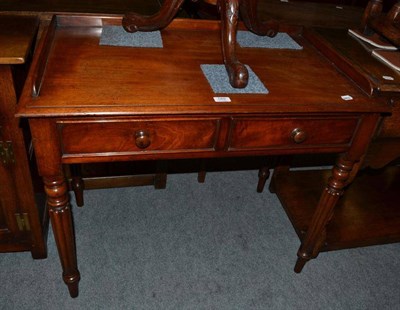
(91, 103)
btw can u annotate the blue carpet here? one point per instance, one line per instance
(218, 245)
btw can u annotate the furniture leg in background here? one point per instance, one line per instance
(77, 184)
(83, 177)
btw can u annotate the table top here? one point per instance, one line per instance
(74, 75)
(16, 37)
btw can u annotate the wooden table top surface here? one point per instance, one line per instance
(83, 78)
(16, 36)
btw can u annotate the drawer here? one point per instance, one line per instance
(265, 133)
(138, 136)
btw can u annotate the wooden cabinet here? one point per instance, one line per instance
(22, 223)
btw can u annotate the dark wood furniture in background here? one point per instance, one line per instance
(174, 114)
(23, 224)
(386, 147)
(387, 25)
(305, 13)
(368, 213)
(374, 77)
(361, 3)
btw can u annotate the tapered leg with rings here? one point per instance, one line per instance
(316, 234)
(61, 221)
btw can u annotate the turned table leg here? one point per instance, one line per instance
(48, 153)
(316, 233)
(343, 171)
(61, 221)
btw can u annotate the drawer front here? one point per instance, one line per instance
(138, 136)
(265, 133)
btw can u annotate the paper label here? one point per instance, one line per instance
(222, 99)
(347, 97)
(388, 77)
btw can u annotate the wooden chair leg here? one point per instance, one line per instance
(263, 175)
(160, 179)
(282, 165)
(77, 184)
(264, 172)
(201, 176)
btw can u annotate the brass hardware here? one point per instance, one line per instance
(298, 135)
(142, 139)
(23, 221)
(6, 152)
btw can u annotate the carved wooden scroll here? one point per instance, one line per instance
(230, 11)
(387, 25)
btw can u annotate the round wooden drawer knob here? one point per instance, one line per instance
(142, 139)
(299, 135)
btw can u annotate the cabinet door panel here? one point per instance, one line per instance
(8, 205)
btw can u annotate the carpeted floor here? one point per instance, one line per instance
(217, 245)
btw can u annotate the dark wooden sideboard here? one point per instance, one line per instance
(23, 222)
(155, 103)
